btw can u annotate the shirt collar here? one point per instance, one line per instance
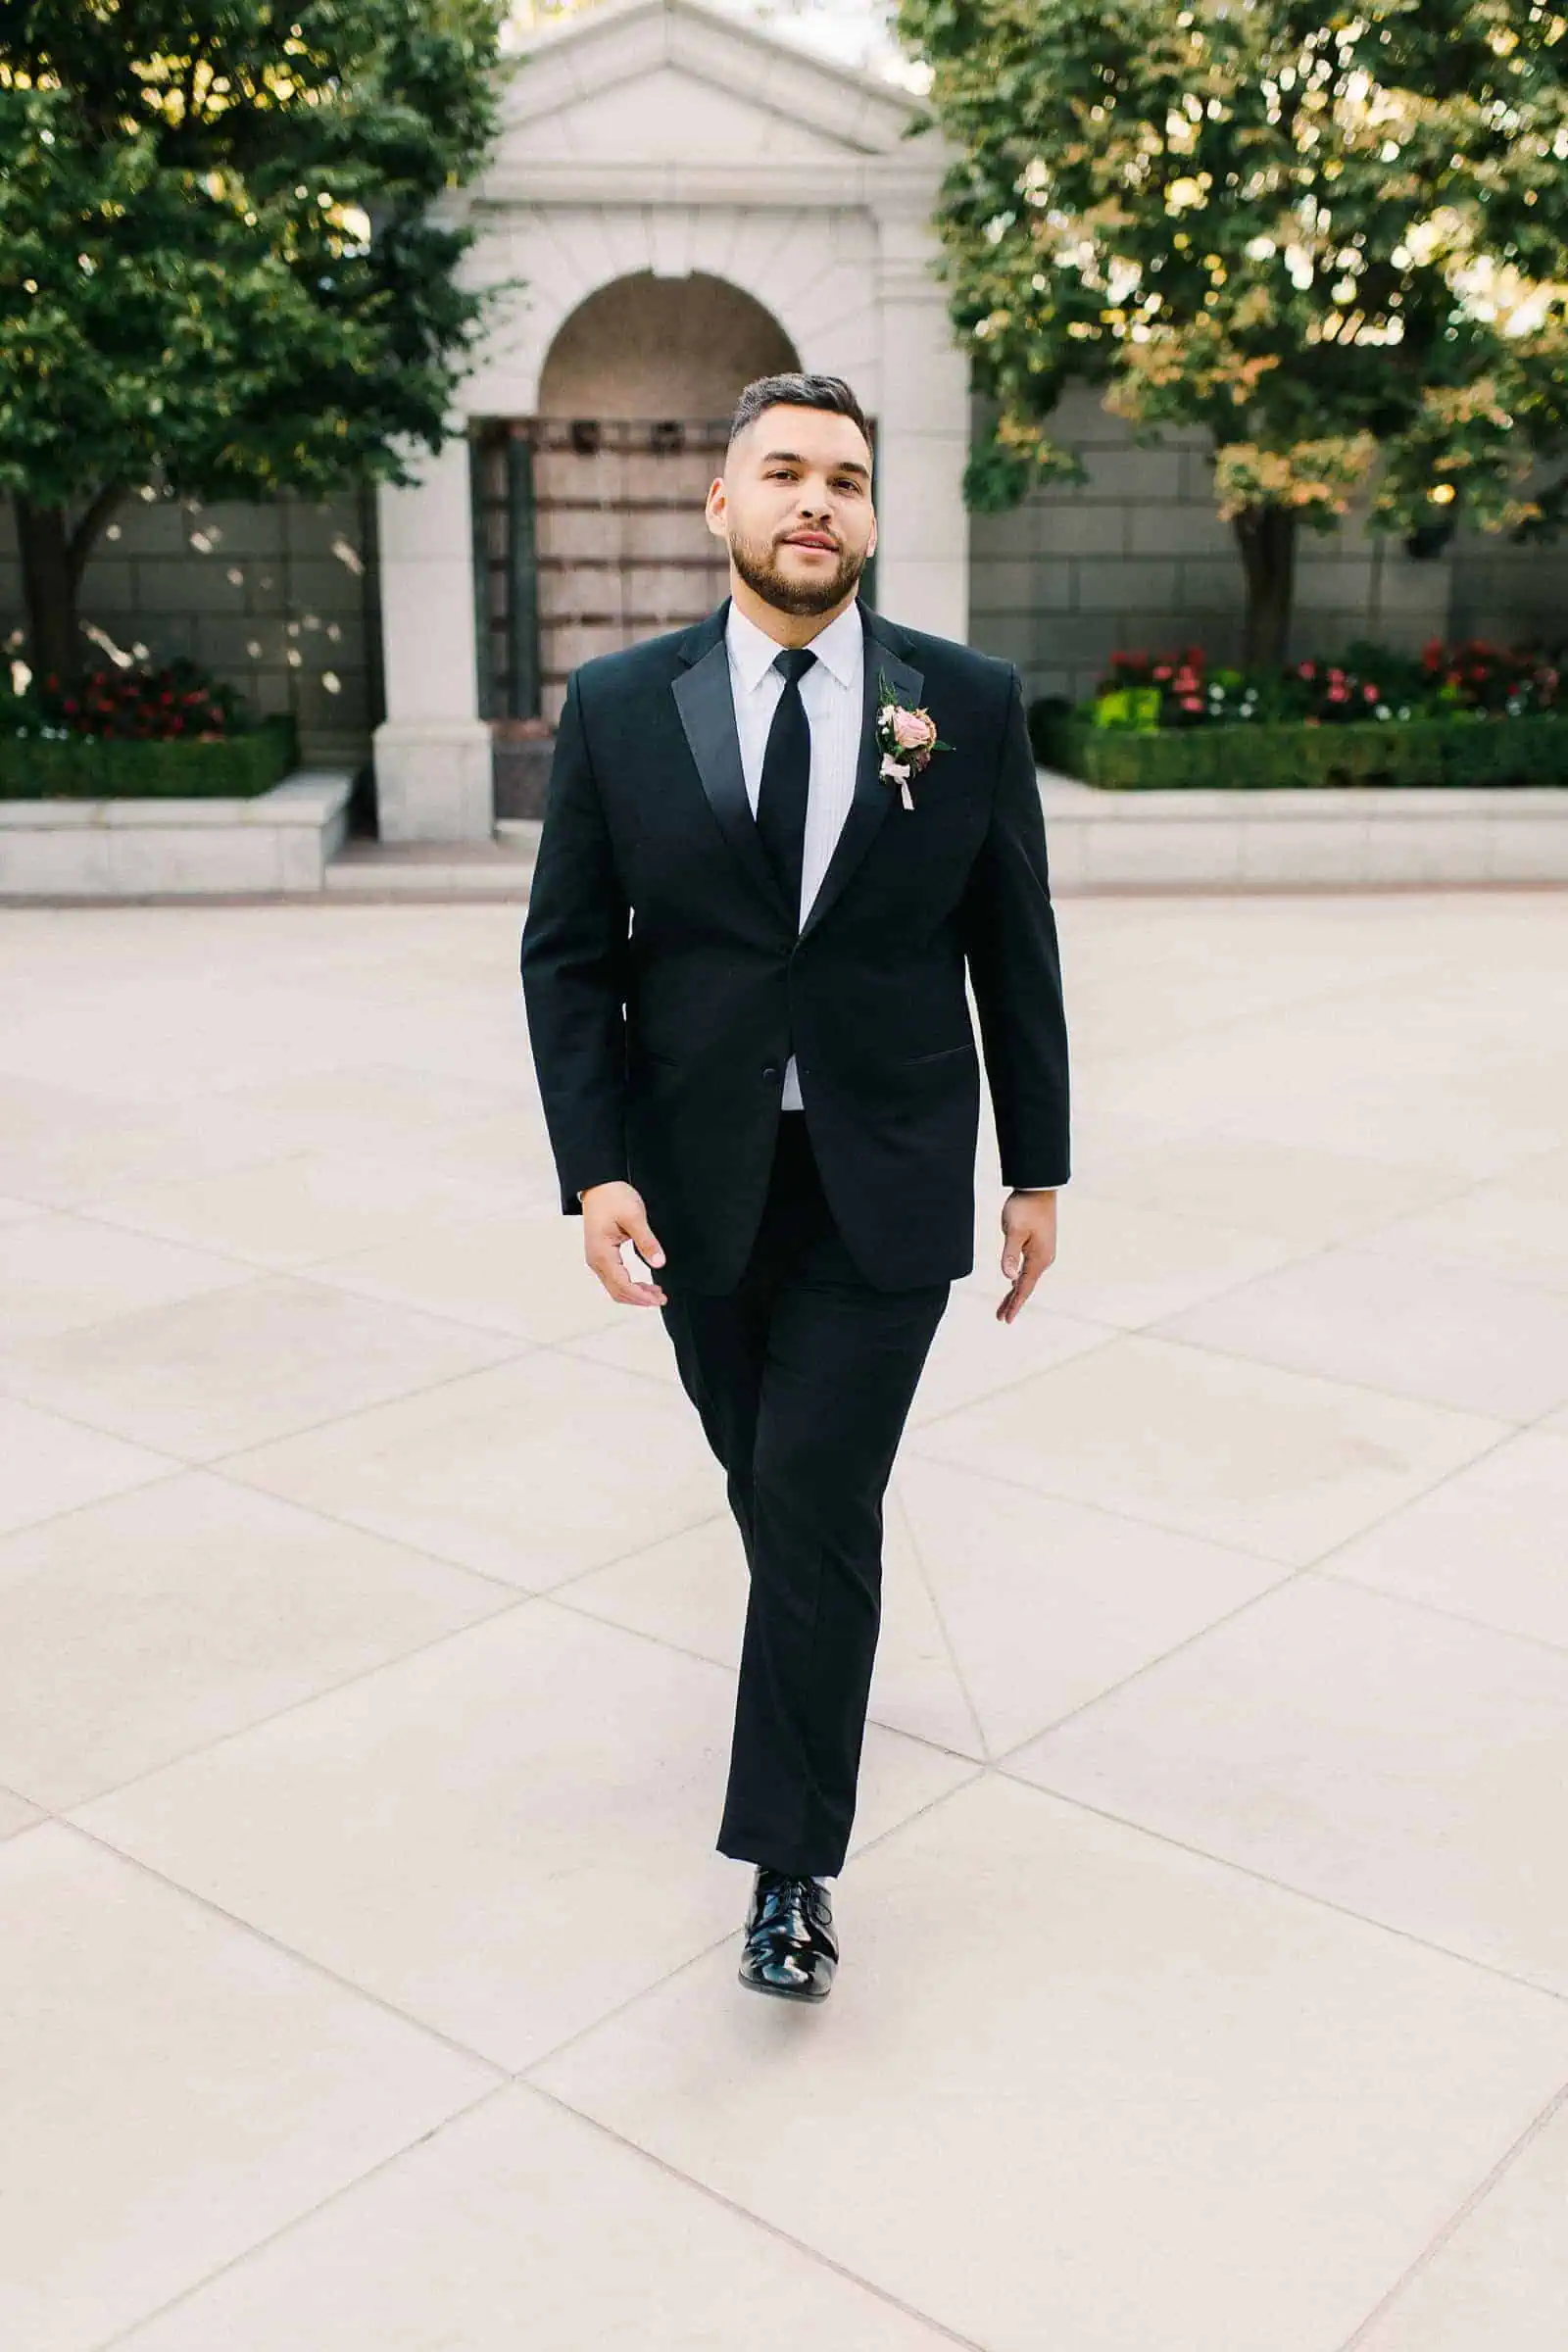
(839, 647)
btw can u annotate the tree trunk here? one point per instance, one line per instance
(54, 556)
(1266, 537)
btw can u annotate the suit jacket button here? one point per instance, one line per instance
(770, 1069)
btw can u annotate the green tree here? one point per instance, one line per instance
(218, 263)
(1334, 239)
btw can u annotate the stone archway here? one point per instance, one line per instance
(590, 512)
(665, 143)
(644, 347)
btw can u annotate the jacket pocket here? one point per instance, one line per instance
(924, 1062)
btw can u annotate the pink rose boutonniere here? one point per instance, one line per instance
(907, 737)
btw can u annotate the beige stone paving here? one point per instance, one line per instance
(368, 1622)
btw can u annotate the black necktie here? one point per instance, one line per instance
(783, 792)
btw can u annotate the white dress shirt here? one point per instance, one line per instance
(831, 692)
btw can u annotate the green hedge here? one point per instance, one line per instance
(96, 768)
(1259, 756)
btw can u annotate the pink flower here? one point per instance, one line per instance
(1191, 702)
(914, 730)
(1369, 693)
(1339, 694)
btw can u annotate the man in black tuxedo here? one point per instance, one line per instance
(744, 962)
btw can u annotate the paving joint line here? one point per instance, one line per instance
(800, 2246)
(289, 1952)
(66, 1814)
(298, 2221)
(1303, 1894)
(1484, 2189)
(906, 1517)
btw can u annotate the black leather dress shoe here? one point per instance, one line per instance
(790, 1948)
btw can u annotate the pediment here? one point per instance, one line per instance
(675, 81)
(667, 115)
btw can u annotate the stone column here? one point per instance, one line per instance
(922, 427)
(432, 754)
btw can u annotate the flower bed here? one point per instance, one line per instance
(137, 734)
(1470, 715)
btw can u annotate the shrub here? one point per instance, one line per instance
(1145, 691)
(1470, 713)
(180, 703)
(137, 733)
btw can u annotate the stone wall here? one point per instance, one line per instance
(1510, 594)
(1137, 559)
(279, 599)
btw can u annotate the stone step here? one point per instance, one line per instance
(501, 869)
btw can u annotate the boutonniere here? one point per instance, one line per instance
(907, 737)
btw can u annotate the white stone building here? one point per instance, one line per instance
(689, 202)
(680, 200)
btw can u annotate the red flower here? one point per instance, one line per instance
(1191, 702)
(1369, 693)
(1162, 670)
(1306, 669)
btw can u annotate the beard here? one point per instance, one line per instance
(759, 568)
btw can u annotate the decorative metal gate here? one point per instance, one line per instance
(588, 535)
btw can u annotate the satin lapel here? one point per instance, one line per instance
(873, 799)
(706, 709)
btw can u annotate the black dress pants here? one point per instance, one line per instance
(803, 1375)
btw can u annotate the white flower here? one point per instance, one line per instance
(894, 771)
(1384, 711)
(885, 716)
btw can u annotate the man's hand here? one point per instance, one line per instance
(1028, 1246)
(614, 1213)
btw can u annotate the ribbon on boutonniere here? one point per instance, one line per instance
(907, 736)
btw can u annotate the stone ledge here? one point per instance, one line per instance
(277, 841)
(1361, 834)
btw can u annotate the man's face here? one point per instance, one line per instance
(794, 503)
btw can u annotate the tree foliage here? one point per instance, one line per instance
(1333, 239)
(218, 263)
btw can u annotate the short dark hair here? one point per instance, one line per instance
(796, 391)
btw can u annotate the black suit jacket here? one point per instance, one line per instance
(666, 985)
